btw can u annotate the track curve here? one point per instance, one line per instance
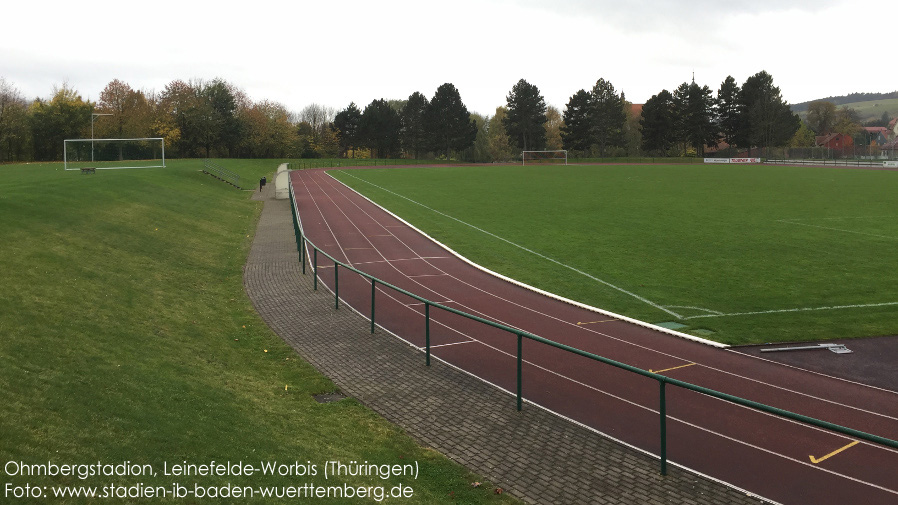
(775, 458)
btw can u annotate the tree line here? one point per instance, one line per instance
(197, 118)
(216, 119)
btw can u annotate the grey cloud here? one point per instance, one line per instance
(649, 14)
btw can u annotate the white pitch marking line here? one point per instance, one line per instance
(727, 372)
(426, 275)
(671, 417)
(694, 308)
(531, 251)
(800, 309)
(837, 229)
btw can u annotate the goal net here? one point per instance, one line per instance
(544, 157)
(107, 154)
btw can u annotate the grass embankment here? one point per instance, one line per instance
(127, 336)
(739, 254)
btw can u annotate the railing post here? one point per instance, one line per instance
(663, 411)
(300, 240)
(336, 286)
(315, 267)
(427, 331)
(373, 284)
(520, 363)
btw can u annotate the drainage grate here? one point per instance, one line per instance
(329, 397)
(836, 348)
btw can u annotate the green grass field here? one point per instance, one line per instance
(738, 254)
(127, 336)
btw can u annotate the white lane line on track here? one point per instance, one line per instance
(447, 345)
(400, 259)
(606, 393)
(422, 303)
(390, 294)
(337, 186)
(531, 251)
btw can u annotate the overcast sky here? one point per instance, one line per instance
(334, 52)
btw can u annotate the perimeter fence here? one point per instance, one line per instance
(857, 152)
(307, 247)
(356, 162)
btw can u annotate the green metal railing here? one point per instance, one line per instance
(521, 334)
(221, 173)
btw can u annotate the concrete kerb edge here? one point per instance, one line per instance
(513, 394)
(538, 290)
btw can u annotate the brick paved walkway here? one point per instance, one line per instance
(533, 454)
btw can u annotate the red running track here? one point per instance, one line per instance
(757, 452)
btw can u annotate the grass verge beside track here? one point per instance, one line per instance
(738, 254)
(127, 337)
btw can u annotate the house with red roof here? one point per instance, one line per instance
(837, 141)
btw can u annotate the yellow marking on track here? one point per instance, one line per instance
(669, 369)
(837, 451)
(594, 322)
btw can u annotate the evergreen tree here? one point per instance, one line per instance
(607, 117)
(526, 118)
(379, 128)
(449, 123)
(767, 120)
(695, 111)
(576, 130)
(414, 132)
(222, 128)
(657, 123)
(347, 123)
(728, 111)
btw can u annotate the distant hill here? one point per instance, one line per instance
(847, 99)
(869, 106)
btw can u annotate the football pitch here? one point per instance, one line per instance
(736, 254)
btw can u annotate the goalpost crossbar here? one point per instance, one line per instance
(155, 162)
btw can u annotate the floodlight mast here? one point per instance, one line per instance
(93, 116)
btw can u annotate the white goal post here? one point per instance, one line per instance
(557, 157)
(109, 154)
